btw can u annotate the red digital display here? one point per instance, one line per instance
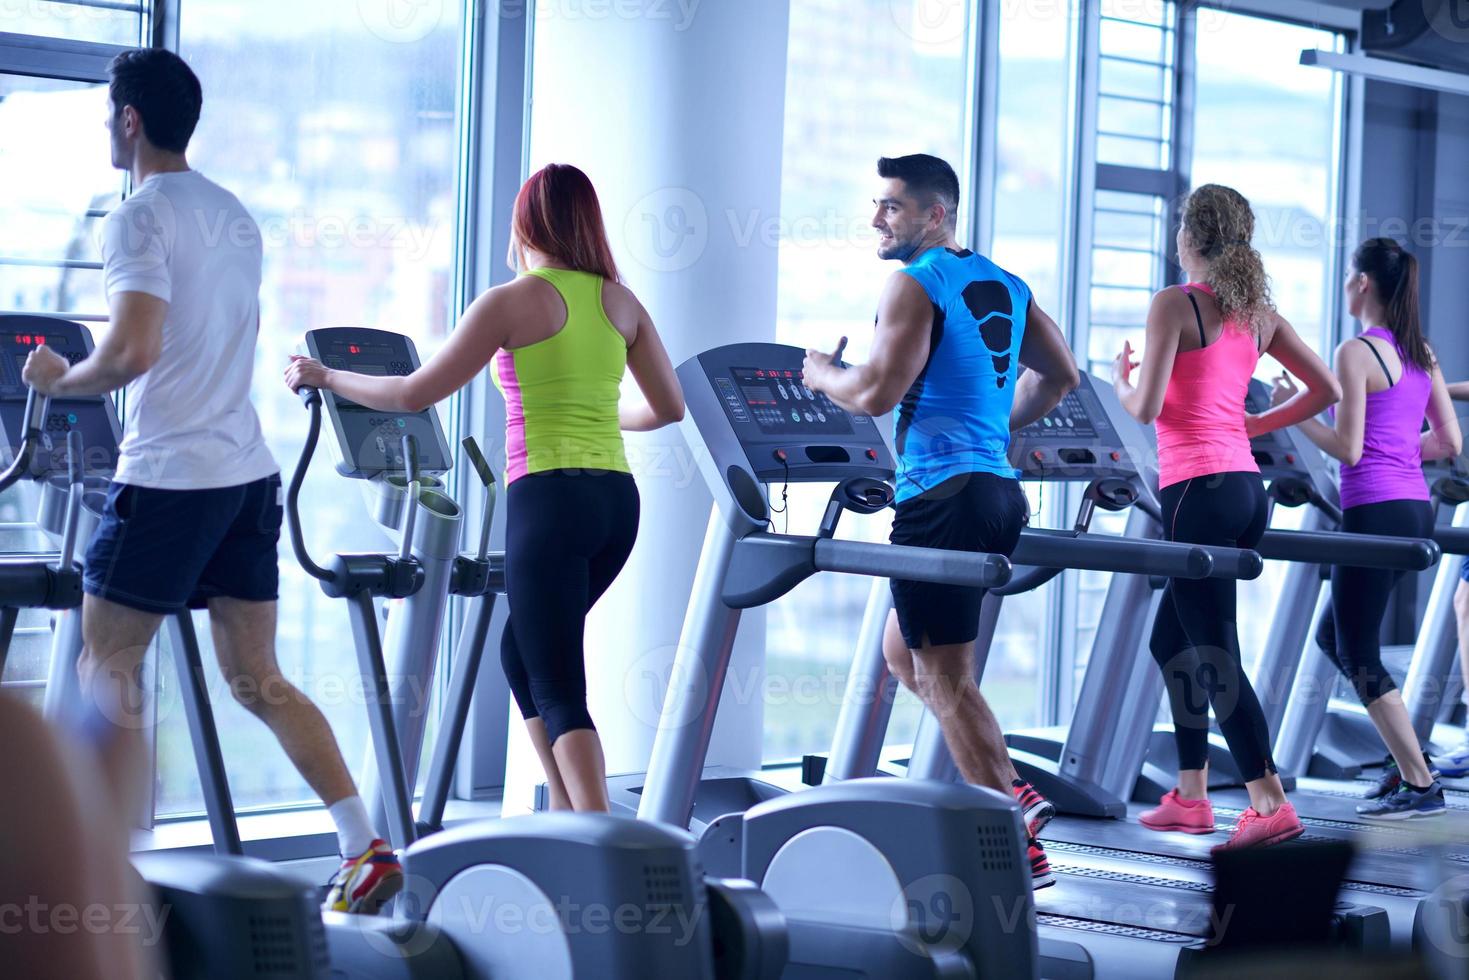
(353, 349)
(29, 340)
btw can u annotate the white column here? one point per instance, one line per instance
(676, 114)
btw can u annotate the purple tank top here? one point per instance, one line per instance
(1391, 467)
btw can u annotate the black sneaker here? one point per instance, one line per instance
(1406, 803)
(1391, 779)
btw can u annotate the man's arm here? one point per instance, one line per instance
(900, 347)
(1458, 391)
(1050, 369)
(130, 347)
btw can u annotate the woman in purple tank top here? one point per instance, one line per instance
(1390, 382)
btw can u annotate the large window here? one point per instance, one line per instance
(865, 79)
(1287, 161)
(339, 132)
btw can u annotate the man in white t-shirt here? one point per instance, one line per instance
(194, 513)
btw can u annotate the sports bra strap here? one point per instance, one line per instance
(1380, 361)
(1198, 317)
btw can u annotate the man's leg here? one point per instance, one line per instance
(244, 642)
(115, 639)
(1461, 617)
(943, 677)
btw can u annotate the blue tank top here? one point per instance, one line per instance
(955, 419)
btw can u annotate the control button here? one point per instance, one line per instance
(795, 416)
(810, 394)
(809, 417)
(1070, 423)
(1038, 456)
(783, 393)
(780, 456)
(796, 391)
(1116, 456)
(1290, 458)
(872, 455)
(821, 416)
(1046, 421)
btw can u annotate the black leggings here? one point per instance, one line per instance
(1195, 638)
(1352, 635)
(568, 535)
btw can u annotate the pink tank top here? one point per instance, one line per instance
(1201, 430)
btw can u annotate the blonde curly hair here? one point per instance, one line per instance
(1218, 222)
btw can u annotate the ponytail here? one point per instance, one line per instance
(1394, 273)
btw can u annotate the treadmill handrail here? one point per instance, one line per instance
(1452, 540)
(973, 569)
(1343, 548)
(1040, 548)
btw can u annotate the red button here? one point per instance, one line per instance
(1116, 456)
(780, 455)
(1037, 456)
(1290, 458)
(872, 455)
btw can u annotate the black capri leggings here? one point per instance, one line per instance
(1352, 635)
(568, 535)
(1195, 637)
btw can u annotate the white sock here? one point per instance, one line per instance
(354, 829)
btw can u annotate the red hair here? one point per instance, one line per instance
(558, 215)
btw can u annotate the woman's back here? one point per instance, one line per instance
(562, 388)
(1201, 428)
(1391, 466)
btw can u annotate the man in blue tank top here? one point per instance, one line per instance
(953, 330)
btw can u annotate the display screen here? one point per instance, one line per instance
(777, 402)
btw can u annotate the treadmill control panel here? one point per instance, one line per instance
(369, 441)
(751, 409)
(1079, 439)
(95, 417)
(1276, 453)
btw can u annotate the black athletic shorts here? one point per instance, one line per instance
(971, 512)
(161, 551)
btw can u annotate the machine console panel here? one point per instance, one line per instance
(1279, 454)
(751, 409)
(95, 417)
(368, 441)
(1080, 439)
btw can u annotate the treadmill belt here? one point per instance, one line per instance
(1369, 867)
(1135, 900)
(1312, 805)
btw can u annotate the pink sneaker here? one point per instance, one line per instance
(1254, 830)
(1175, 813)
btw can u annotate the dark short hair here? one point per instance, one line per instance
(164, 91)
(927, 177)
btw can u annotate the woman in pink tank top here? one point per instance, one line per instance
(1390, 383)
(1203, 343)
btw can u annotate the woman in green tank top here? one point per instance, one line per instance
(558, 338)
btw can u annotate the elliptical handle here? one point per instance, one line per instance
(76, 487)
(486, 476)
(32, 422)
(311, 398)
(410, 505)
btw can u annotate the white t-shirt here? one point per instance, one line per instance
(190, 424)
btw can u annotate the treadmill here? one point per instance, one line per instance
(1135, 917)
(872, 875)
(1142, 764)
